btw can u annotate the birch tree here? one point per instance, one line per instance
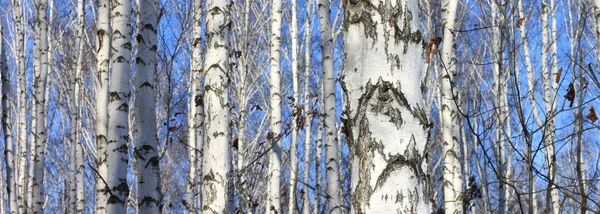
(215, 166)
(384, 121)
(103, 45)
(146, 148)
(118, 107)
(21, 105)
(196, 114)
(274, 192)
(452, 170)
(9, 152)
(295, 110)
(41, 63)
(308, 117)
(329, 81)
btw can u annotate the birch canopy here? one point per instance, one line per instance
(299, 106)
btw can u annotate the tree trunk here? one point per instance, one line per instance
(452, 170)
(21, 106)
(295, 110)
(384, 121)
(9, 152)
(196, 115)
(146, 151)
(331, 142)
(41, 63)
(308, 117)
(103, 46)
(216, 167)
(274, 194)
(118, 107)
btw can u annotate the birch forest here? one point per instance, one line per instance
(300, 106)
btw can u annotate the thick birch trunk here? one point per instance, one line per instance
(293, 145)
(331, 142)
(146, 149)
(384, 121)
(452, 171)
(274, 193)
(9, 152)
(216, 167)
(118, 107)
(103, 46)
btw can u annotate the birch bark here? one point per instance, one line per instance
(146, 150)
(384, 121)
(216, 167)
(118, 107)
(295, 110)
(331, 142)
(452, 171)
(9, 152)
(103, 46)
(274, 194)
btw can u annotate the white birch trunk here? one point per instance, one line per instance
(242, 91)
(452, 171)
(21, 107)
(196, 115)
(118, 107)
(146, 149)
(41, 63)
(319, 153)
(334, 200)
(215, 166)
(309, 118)
(9, 152)
(274, 173)
(295, 110)
(103, 46)
(552, 200)
(384, 121)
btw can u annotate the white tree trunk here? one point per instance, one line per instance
(274, 193)
(384, 121)
(196, 115)
(308, 117)
(452, 170)
(319, 151)
(549, 89)
(21, 106)
(216, 167)
(103, 46)
(9, 152)
(118, 107)
(295, 110)
(146, 148)
(77, 186)
(41, 63)
(331, 142)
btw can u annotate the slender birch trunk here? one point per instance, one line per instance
(242, 91)
(452, 171)
(21, 106)
(9, 152)
(146, 150)
(41, 63)
(216, 167)
(331, 142)
(309, 118)
(274, 194)
(118, 107)
(552, 200)
(103, 46)
(196, 120)
(384, 121)
(319, 151)
(295, 110)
